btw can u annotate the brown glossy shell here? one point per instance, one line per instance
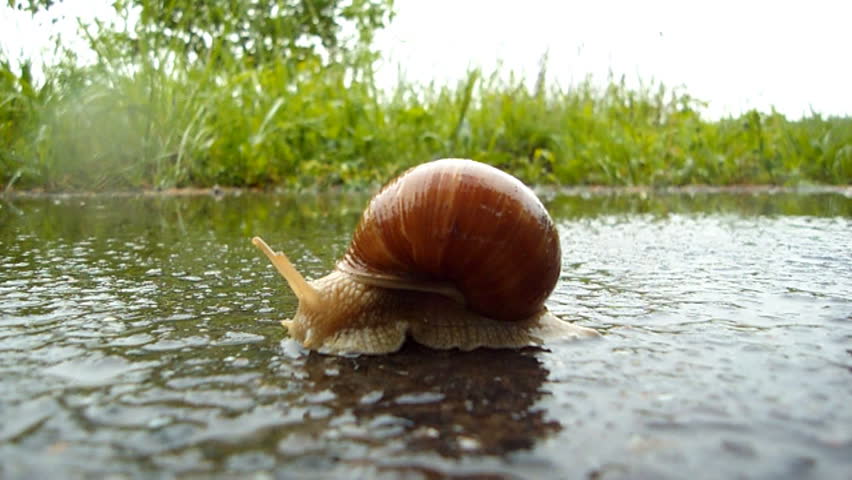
(465, 223)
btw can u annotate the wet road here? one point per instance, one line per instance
(139, 338)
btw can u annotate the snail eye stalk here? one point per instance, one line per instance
(304, 292)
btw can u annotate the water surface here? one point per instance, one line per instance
(139, 338)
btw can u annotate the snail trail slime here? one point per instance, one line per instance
(454, 253)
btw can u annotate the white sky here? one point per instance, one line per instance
(737, 55)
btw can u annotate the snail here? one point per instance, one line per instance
(453, 253)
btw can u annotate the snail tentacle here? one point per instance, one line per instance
(304, 291)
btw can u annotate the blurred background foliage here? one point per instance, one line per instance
(266, 93)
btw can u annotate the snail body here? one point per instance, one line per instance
(454, 253)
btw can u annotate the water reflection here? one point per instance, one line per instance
(449, 403)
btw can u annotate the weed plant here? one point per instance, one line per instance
(158, 120)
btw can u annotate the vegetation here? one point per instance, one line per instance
(230, 94)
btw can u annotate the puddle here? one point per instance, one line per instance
(139, 337)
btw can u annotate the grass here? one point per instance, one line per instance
(123, 124)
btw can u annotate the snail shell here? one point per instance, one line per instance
(455, 253)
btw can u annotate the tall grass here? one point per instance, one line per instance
(170, 122)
